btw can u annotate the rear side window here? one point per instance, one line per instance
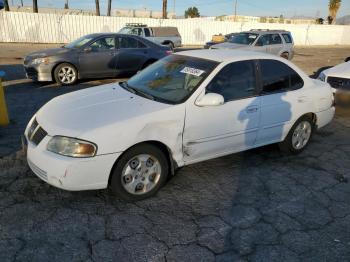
(287, 38)
(147, 32)
(264, 40)
(275, 39)
(278, 77)
(129, 42)
(235, 81)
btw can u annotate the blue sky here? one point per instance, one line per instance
(211, 7)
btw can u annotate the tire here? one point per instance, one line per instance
(136, 169)
(285, 55)
(295, 143)
(170, 45)
(65, 74)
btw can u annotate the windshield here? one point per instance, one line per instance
(243, 38)
(125, 30)
(172, 79)
(79, 42)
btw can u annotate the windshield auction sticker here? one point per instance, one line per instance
(192, 71)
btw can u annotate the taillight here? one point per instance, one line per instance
(168, 52)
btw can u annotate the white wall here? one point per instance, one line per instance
(55, 28)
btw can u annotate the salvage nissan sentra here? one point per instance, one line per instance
(185, 108)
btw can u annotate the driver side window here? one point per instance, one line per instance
(235, 81)
(103, 44)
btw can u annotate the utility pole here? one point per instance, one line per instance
(234, 18)
(174, 8)
(165, 4)
(66, 6)
(21, 2)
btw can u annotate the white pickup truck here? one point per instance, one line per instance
(169, 36)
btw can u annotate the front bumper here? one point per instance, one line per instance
(40, 72)
(69, 173)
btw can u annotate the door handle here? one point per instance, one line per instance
(302, 99)
(250, 110)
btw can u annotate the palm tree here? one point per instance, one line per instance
(334, 6)
(35, 6)
(97, 2)
(109, 7)
(165, 4)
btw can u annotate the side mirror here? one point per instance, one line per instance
(210, 99)
(87, 49)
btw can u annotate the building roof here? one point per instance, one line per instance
(222, 55)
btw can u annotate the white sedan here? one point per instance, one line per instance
(338, 77)
(188, 107)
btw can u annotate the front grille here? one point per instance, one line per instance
(36, 133)
(339, 83)
(38, 171)
(39, 136)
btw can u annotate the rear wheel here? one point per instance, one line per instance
(140, 173)
(285, 55)
(299, 136)
(65, 74)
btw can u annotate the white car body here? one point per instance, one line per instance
(338, 77)
(115, 120)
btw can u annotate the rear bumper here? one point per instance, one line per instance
(325, 117)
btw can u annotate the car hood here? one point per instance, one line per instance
(341, 70)
(47, 52)
(80, 112)
(228, 45)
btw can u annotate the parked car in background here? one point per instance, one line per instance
(164, 35)
(214, 42)
(339, 79)
(186, 108)
(277, 42)
(93, 56)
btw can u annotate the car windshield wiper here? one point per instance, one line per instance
(136, 91)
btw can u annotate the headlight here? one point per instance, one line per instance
(44, 60)
(322, 77)
(72, 147)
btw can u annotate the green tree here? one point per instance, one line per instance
(97, 3)
(333, 7)
(192, 12)
(319, 21)
(6, 4)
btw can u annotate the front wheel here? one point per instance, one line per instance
(299, 136)
(140, 173)
(65, 74)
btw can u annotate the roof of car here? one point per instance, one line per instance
(222, 55)
(267, 31)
